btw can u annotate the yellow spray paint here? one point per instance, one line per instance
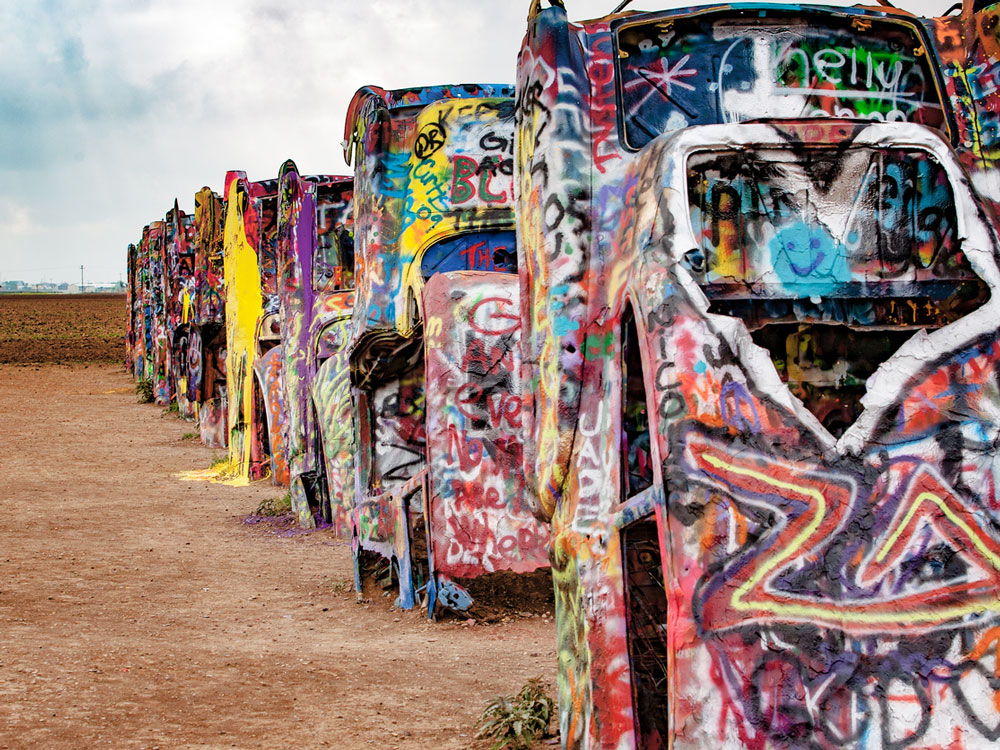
(243, 309)
(224, 473)
(186, 303)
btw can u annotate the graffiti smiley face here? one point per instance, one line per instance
(808, 261)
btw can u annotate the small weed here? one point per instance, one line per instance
(189, 436)
(217, 461)
(516, 720)
(144, 391)
(275, 506)
(172, 409)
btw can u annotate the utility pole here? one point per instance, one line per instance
(81, 278)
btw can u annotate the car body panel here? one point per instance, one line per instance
(207, 352)
(479, 520)
(333, 412)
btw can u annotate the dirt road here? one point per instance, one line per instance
(138, 611)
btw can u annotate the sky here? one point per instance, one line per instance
(111, 109)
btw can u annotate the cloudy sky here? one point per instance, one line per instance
(109, 109)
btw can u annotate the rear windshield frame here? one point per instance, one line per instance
(806, 12)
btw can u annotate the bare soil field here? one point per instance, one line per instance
(138, 610)
(62, 328)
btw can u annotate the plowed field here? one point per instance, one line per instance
(62, 328)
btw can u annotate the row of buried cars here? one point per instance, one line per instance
(700, 314)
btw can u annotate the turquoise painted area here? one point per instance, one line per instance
(808, 261)
(561, 326)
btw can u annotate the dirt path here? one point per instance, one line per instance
(137, 611)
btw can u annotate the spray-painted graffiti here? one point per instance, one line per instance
(206, 351)
(333, 415)
(756, 538)
(391, 480)
(244, 311)
(296, 207)
(479, 519)
(209, 215)
(404, 176)
(314, 242)
(179, 255)
(967, 44)
(133, 312)
(173, 341)
(398, 413)
(844, 562)
(161, 304)
(710, 67)
(144, 320)
(270, 417)
(749, 371)
(159, 340)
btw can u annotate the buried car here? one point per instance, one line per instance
(434, 364)
(253, 354)
(206, 371)
(640, 666)
(783, 506)
(315, 251)
(179, 264)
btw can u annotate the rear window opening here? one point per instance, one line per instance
(730, 66)
(832, 260)
(492, 251)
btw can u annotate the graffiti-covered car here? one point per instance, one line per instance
(148, 334)
(821, 438)
(179, 266)
(206, 363)
(434, 360)
(763, 522)
(133, 309)
(966, 48)
(159, 324)
(143, 310)
(315, 249)
(253, 334)
(176, 330)
(332, 429)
